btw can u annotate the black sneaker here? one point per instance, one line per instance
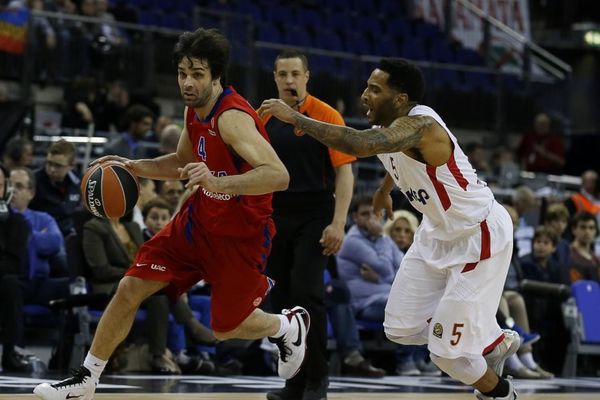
(286, 393)
(78, 387)
(316, 390)
(14, 361)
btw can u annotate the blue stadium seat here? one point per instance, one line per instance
(268, 33)
(252, 10)
(371, 25)
(172, 20)
(311, 18)
(297, 36)
(322, 64)
(358, 43)
(329, 40)
(587, 298)
(399, 28)
(280, 15)
(148, 17)
(469, 57)
(581, 317)
(386, 47)
(442, 52)
(414, 50)
(341, 22)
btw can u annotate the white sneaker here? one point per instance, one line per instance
(292, 345)
(78, 387)
(507, 347)
(512, 393)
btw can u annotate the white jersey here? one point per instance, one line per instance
(452, 199)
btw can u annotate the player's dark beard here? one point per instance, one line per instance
(202, 99)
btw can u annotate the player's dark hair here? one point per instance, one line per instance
(404, 77)
(204, 44)
(291, 53)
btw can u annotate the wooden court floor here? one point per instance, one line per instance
(332, 396)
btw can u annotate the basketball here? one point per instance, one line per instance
(109, 190)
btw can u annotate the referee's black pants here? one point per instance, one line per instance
(296, 264)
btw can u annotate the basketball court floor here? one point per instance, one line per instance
(147, 387)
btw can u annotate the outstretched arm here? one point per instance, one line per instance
(403, 134)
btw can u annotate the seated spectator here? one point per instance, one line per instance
(588, 197)
(14, 233)
(109, 248)
(345, 331)
(172, 192)
(545, 315)
(557, 218)
(18, 153)
(412, 360)
(57, 186)
(476, 155)
(525, 204)
(138, 121)
(505, 170)
(157, 213)
(583, 263)
(147, 193)
(368, 261)
(45, 241)
(169, 139)
(542, 150)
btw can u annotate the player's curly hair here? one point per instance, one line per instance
(208, 44)
(405, 77)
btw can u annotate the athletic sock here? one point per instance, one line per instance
(527, 359)
(513, 362)
(501, 389)
(95, 365)
(284, 326)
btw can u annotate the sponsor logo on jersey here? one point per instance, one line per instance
(438, 330)
(420, 195)
(219, 196)
(158, 267)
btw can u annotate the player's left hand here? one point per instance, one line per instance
(278, 109)
(331, 239)
(199, 174)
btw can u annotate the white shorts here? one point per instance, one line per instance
(454, 304)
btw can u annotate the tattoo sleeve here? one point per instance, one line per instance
(403, 134)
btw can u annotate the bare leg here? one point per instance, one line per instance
(487, 382)
(257, 325)
(118, 317)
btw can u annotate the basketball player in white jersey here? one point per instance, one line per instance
(447, 290)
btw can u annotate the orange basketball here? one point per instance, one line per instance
(109, 189)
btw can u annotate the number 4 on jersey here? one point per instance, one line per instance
(202, 148)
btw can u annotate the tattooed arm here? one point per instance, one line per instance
(403, 134)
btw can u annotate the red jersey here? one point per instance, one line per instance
(220, 213)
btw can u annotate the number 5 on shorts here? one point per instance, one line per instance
(456, 332)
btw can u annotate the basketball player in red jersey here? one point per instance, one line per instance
(222, 233)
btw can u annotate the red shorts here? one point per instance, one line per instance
(232, 266)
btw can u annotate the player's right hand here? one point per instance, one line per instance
(383, 202)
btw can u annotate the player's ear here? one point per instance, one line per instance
(400, 99)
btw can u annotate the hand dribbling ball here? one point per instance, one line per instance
(109, 190)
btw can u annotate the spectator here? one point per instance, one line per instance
(171, 192)
(57, 186)
(147, 193)
(345, 331)
(583, 263)
(162, 122)
(545, 315)
(525, 204)
(476, 155)
(169, 138)
(138, 120)
(557, 218)
(504, 168)
(542, 150)
(588, 197)
(14, 234)
(367, 263)
(109, 248)
(18, 153)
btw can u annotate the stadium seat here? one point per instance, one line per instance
(297, 36)
(581, 317)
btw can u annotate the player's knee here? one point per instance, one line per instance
(128, 293)
(466, 370)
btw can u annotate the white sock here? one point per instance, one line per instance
(527, 359)
(514, 363)
(284, 326)
(95, 365)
